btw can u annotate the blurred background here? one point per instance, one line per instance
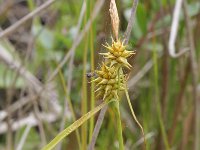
(48, 58)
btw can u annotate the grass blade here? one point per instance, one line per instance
(74, 126)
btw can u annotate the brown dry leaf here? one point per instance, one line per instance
(114, 18)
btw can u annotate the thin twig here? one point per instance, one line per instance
(194, 69)
(23, 138)
(97, 128)
(71, 63)
(29, 16)
(131, 22)
(187, 129)
(40, 124)
(149, 135)
(140, 74)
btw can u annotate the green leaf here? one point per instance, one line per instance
(75, 125)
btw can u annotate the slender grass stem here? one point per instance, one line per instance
(92, 97)
(134, 116)
(97, 128)
(119, 127)
(130, 106)
(70, 106)
(158, 107)
(84, 104)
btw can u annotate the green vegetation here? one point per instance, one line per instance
(53, 94)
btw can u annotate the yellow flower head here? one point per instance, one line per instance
(117, 53)
(107, 82)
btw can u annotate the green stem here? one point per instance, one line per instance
(119, 128)
(84, 101)
(134, 116)
(158, 107)
(70, 106)
(92, 97)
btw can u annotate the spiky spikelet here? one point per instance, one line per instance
(117, 54)
(108, 84)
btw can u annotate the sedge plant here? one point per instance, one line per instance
(110, 81)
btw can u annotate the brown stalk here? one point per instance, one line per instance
(40, 124)
(97, 128)
(130, 22)
(187, 130)
(165, 79)
(194, 69)
(165, 66)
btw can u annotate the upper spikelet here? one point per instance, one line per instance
(117, 53)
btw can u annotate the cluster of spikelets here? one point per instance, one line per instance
(117, 54)
(110, 81)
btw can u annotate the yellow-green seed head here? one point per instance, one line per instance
(107, 82)
(118, 54)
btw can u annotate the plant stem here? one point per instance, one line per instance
(134, 116)
(195, 74)
(158, 108)
(119, 128)
(70, 106)
(131, 22)
(84, 108)
(97, 128)
(84, 104)
(92, 98)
